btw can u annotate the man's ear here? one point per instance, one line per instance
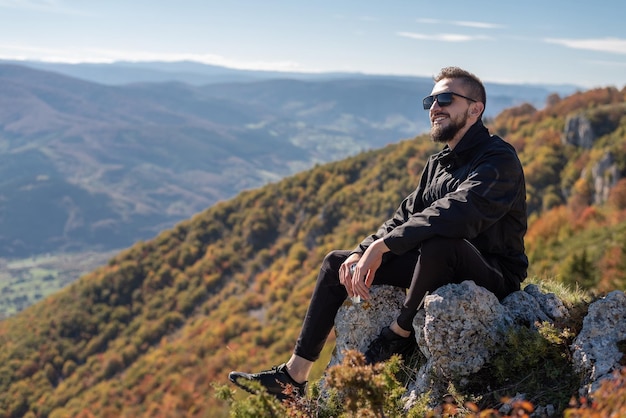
(477, 108)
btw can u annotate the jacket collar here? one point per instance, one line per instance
(475, 136)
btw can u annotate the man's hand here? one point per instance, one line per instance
(345, 274)
(366, 269)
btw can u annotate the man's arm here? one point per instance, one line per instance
(482, 199)
(409, 205)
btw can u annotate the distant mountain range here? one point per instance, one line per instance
(195, 73)
(101, 156)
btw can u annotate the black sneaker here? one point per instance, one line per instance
(387, 344)
(276, 381)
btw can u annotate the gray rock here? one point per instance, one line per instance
(604, 174)
(356, 325)
(594, 351)
(529, 306)
(550, 304)
(457, 332)
(524, 309)
(578, 132)
(462, 326)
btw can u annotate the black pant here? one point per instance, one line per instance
(437, 262)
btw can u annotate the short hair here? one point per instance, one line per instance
(476, 89)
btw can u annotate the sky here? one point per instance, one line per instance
(576, 42)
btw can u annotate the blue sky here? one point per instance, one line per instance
(530, 41)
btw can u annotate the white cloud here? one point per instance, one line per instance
(25, 4)
(480, 25)
(46, 6)
(429, 21)
(464, 23)
(443, 37)
(612, 45)
(104, 56)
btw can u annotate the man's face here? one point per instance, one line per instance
(447, 122)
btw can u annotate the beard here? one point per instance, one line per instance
(444, 134)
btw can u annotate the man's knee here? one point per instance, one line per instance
(334, 259)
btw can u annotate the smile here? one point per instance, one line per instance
(438, 118)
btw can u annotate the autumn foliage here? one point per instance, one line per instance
(150, 333)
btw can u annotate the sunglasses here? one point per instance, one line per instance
(444, 99)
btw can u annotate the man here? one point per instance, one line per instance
(465, 221)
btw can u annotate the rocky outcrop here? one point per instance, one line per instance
(578, 132)
(604, 174)
(581, 132)
(356, 324)
(463, 325)
(595, 350)
(457, 320)
(531, 306)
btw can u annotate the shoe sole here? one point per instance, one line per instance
(234, 380)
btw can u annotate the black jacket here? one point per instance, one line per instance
(476, 191)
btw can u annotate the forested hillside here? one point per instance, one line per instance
(149, 333)
(574, 156)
